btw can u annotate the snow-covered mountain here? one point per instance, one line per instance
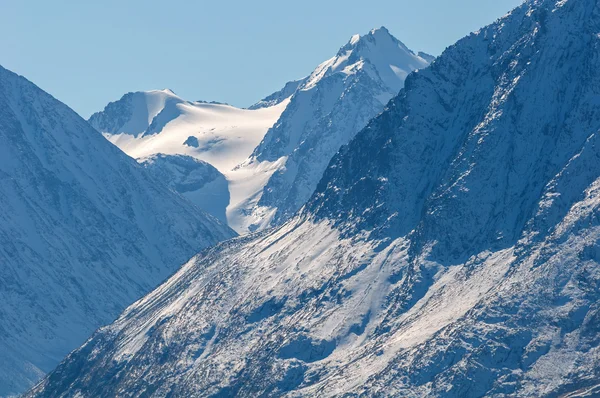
(279, 96)
(450, 250)
(84, 232)
(328, 108)
(198, 181)
(325, 111)
(144, 124)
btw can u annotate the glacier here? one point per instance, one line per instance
(158, 122)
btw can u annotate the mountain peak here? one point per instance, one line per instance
(335, 102)
(163, 93)
(390, 58)
(381, 31)
(135, 112)
(376, 36)
(358, 48)
(354, 39)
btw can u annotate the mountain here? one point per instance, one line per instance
(307, 122)
(278, 97)
(327, 109)
(137, 113)
(427, 57)
(84, 231)
(196, 180)
(451, 249)
(144, 124)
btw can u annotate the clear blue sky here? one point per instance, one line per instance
(87, 53)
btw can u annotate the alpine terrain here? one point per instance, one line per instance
(451, 249)
(84, 232)
(274, 153)
(195, 179)
(191, 138)
(328, 108)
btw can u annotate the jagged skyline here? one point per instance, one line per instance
(94, 52)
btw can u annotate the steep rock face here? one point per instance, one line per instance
(328, 108)
(137, 114)
(84, 231)
(491, 123)
(198, 181)
(450, 250)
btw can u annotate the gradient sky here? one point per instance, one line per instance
(87, 53)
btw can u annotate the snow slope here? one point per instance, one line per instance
(84, 231)
(143, 124)
(325, 110)
(222, 135)
(196, 180)
(278, 97)
(450, 250)
(328, 108)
